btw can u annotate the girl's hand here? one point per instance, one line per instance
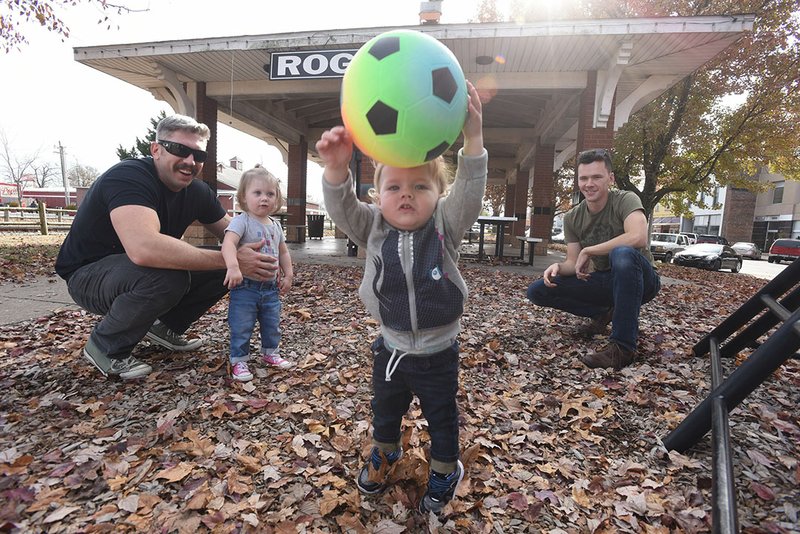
(233, 277)
(285, 285)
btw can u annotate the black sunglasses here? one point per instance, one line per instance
(183, 151)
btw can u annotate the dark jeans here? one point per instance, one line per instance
(433, 378)
(629, 283)
(131, 298)
(253, 301)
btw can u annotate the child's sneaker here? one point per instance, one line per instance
(372, 478)
(275, 360)
(441, 489)
(241, 373)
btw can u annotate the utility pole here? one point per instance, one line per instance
(63, 174)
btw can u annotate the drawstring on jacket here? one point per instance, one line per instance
(390, 369)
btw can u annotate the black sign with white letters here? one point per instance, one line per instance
(313, 64)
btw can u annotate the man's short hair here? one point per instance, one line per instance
(595, 154)
(176, 123)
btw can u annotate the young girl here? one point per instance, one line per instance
(412, 285)
(260, 196)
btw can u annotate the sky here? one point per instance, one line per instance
(48, 98)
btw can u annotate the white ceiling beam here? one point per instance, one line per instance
(512, 81)
(607, 80)
(183, 104)
(642, 95)
(564, 155)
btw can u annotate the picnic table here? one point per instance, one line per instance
(500, 224)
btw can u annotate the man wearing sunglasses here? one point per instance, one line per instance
(608, 272)
(124, 258)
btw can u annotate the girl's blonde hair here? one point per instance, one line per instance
(440, 172)
(258, 173)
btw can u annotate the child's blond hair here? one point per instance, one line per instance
(258, 173)
(440, 172)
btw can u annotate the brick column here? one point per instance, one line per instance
(520, 207)
(206, 113)
(296, 192)
(508, 210)
(588, 136)
(737, 214)
(542, 195)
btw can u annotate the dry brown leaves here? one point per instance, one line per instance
(548, 444)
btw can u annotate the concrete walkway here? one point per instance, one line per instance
(23, 302)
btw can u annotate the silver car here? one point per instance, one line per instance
(747, 250)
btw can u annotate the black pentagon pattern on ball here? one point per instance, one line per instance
(385, 46)
(437, 151)
(382, 119)
(444, 85)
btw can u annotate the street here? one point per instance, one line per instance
(762, 268)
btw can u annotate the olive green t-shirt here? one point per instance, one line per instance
(590, 229)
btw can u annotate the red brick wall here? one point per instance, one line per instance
(542, 194)
(737, 216)
(206, 113)
(520, 208)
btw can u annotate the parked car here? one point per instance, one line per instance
(709, 256)
(665, 246)
(784, 250)
(747, 250)
(692, 237)
(558, 238)
(707, 238)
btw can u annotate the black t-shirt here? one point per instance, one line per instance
(131, 182)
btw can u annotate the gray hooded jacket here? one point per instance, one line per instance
(411, 282)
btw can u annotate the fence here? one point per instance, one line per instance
(40, 218)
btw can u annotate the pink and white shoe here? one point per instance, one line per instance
(241, 373)
(275, 360)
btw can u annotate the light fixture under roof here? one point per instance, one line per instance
(484, 60)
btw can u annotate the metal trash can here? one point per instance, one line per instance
(316, 226)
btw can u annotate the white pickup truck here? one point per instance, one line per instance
(664, 246)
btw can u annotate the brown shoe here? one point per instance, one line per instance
(598, 324)
(611, 356)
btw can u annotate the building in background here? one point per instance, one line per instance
(743, 215)
(776, 210)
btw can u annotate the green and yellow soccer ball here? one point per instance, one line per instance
(404, 98)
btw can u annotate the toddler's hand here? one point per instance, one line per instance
(233, 277)
(285, 285)
(473, 126)
(335, 147)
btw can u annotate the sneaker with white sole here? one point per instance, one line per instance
(241, 373)
(441, 489)
(161, 334)
(128, 368)
(275, 360)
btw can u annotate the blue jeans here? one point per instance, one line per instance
(251, 301)
(629, 283)
(433, 378)
(130, 298)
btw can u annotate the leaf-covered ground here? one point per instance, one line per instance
(548, 445)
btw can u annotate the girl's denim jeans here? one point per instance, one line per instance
(253, 301)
